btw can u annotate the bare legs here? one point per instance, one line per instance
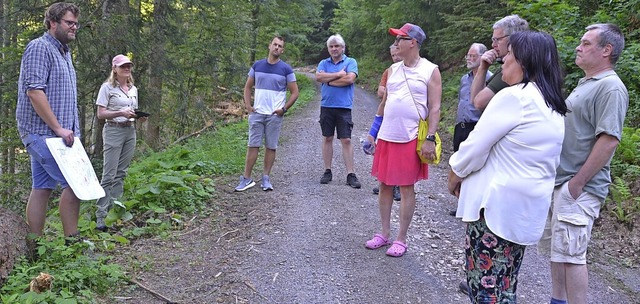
(250, 161)
(327, 151)
(570, 282)
(347, 153)
(37, 210)
(252, 157)
(407, 208)
(269, 159)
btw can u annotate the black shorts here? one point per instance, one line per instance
(336, 120)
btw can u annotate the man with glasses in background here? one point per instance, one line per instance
(48, 107)
(467, 114)
(482, 91)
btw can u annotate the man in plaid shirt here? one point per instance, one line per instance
(48, 107)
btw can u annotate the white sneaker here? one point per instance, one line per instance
(266, 184)
(245, 183)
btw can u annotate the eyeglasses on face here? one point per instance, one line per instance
(403, 38)
(470, 56)
(497, 39)
(71, 23)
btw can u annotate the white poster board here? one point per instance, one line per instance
(76, 168)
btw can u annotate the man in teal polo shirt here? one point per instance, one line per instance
(337, 74)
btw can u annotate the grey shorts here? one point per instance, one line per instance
(568, 228)
(267, 126)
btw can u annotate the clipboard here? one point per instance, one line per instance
(76, 168)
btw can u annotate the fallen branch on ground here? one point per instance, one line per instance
(155, 293)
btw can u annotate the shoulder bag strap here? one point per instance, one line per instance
(410, 93)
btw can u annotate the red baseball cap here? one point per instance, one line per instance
(410, 30)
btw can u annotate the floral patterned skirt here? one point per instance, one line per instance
(492, 264)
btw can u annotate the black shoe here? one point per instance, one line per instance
(376, 190)
(396, 193)
(102, 228)
(352, 181)
(326, 177)
(464, 287)
(452, 212)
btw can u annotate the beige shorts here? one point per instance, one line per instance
(568, 228)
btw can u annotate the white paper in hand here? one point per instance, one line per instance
(76, 168)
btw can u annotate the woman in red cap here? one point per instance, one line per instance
(414, 91)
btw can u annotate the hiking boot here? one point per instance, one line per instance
(326, 177)
(376, 190)
(245, 183)
(396, 193)
(352, 181)
(266, 184)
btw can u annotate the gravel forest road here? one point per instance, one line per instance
(304, 242)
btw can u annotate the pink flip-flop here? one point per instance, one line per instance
(397, 249)
(377, 241)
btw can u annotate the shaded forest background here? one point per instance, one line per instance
(192, 56)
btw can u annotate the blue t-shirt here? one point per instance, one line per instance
(338, 97)
(270, 85)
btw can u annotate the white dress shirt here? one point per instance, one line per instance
(509, 164)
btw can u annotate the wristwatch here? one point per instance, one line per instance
(431, 138)
(284, 110)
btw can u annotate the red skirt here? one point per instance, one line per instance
(398, 163)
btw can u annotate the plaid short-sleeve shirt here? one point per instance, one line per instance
(46, 65)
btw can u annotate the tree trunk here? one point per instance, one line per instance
(153, 99)
(114, 23)
(13, 241)
(255, 14)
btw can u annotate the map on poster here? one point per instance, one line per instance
(76, 168)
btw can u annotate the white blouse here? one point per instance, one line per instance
(509, 164)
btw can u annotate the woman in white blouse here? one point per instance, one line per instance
(504, 172)
(117, 101)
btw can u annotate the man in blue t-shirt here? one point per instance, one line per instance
(337, 74)
(272, 78)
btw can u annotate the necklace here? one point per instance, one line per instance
(414, 65)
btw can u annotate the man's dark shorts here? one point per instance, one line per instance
(336, 120)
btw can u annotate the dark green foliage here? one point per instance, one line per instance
(78, 276)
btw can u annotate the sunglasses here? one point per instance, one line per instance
(403, 38)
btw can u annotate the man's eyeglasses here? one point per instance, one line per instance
(71, 23)
(403, 38)
(497, 39)
(470, 56)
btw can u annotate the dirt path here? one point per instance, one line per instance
(303, 242)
